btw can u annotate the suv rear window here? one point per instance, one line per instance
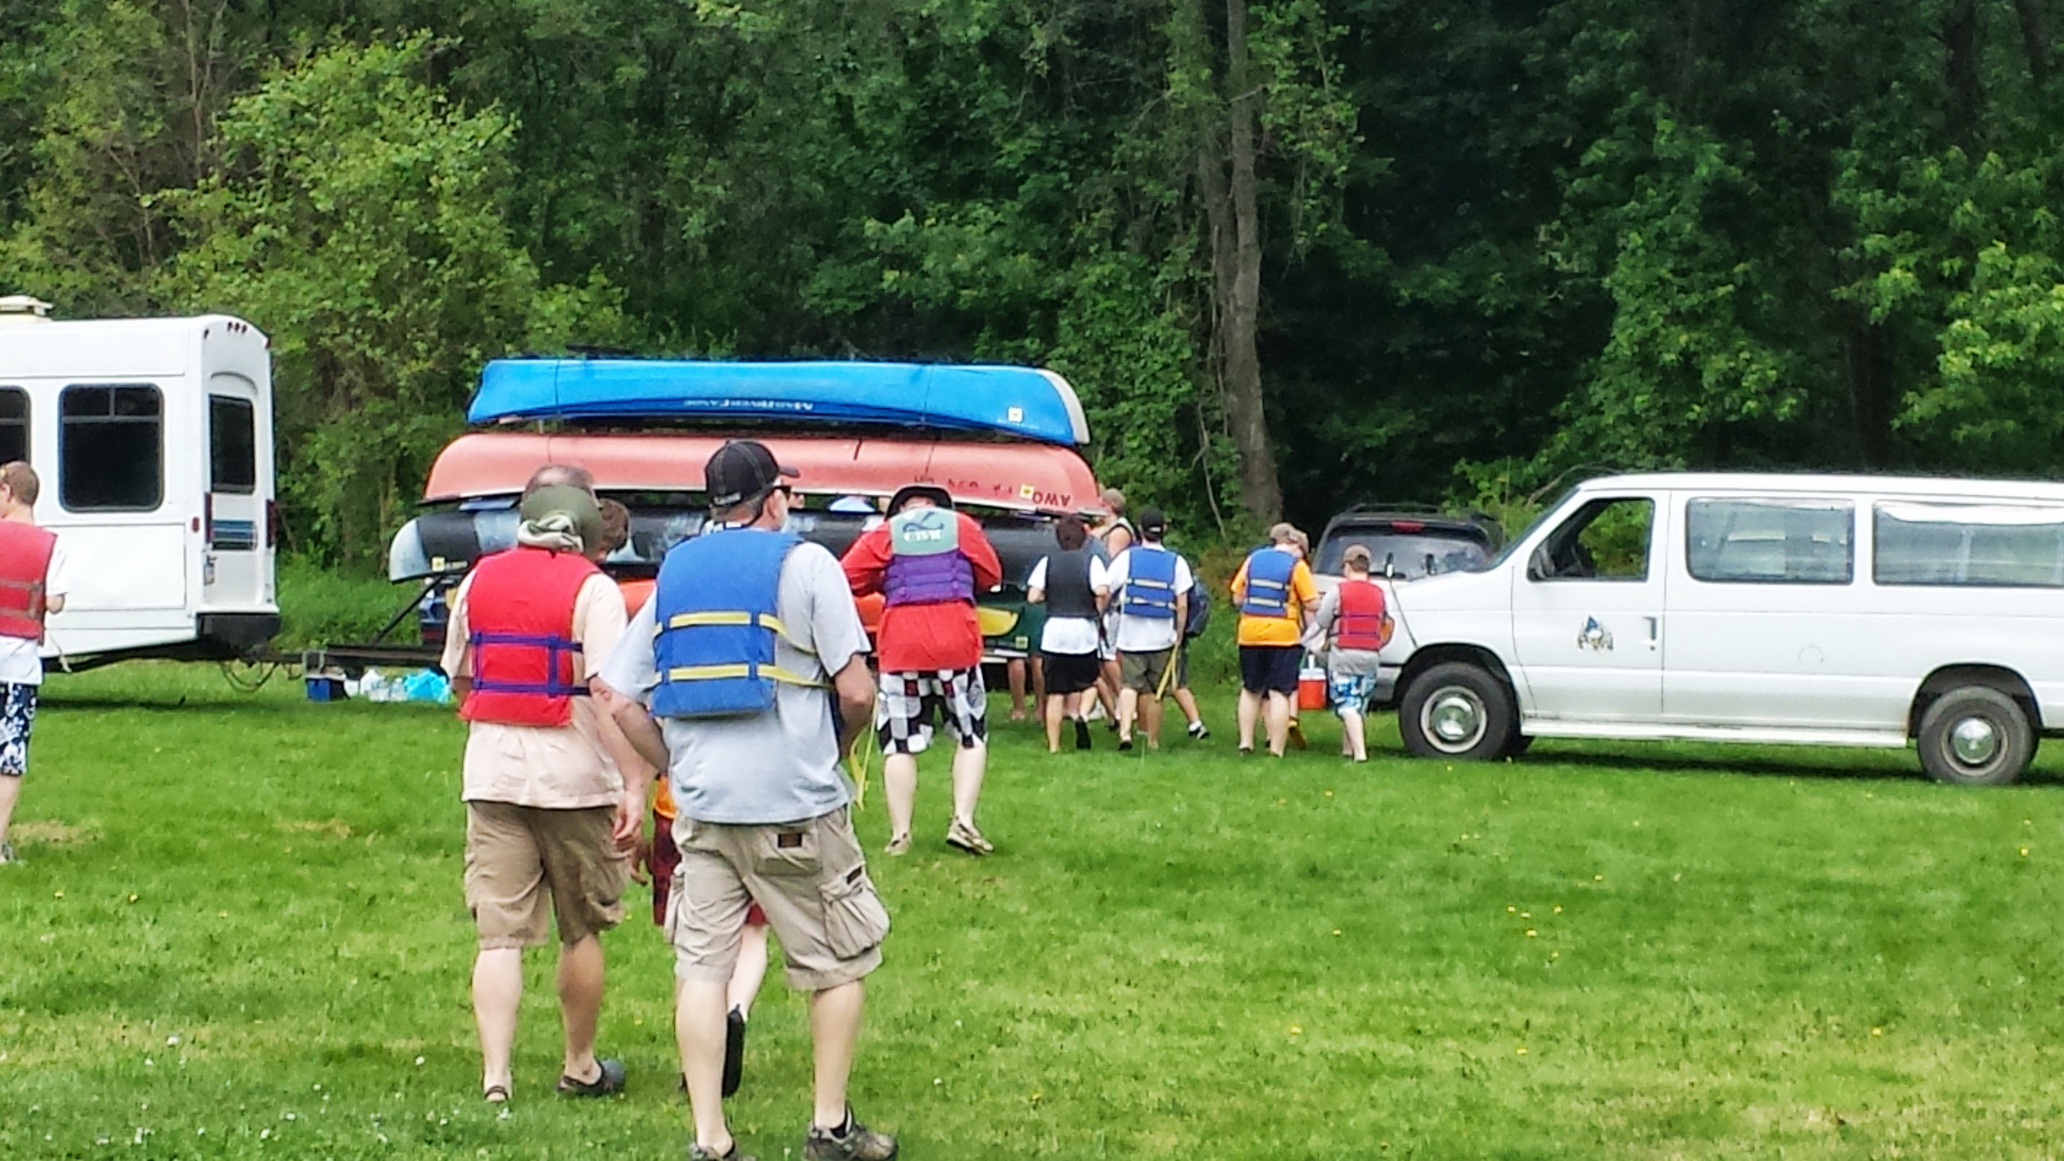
(1410, 554)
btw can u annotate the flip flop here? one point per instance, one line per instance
(608, 1082)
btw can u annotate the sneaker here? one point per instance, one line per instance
(1246, 751)
(1096, 712)
(699, 1153)
(1124, 743)
(857, 1143)
(964, 836)
(734, 1052)
(7, 854)
(898, 846)
(1198, 731)
(1081, 734)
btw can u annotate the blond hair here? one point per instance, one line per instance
(21, 480)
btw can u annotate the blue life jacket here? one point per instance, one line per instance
(1268, 583)
(1149, 582)
(715, 625)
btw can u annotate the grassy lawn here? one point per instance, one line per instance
(239, 934)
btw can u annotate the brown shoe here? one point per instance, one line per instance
(857, 1143)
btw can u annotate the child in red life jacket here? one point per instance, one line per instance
(1355, 624)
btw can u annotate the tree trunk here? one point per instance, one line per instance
(1966, 95)
(1232, 206)
(2035, 39)
(1870, 392)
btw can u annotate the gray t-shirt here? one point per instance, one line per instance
(1342, 662)
(773, 768)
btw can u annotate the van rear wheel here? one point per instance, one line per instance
(1456, 710)
(1975, 735)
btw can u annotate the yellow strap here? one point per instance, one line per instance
(721, 672)
(722, 617)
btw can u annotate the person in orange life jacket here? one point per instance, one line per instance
(1113, 535)
(1274, 592)
(1072, 585)
(1354, 624)
(746, 676)
(1153, 586)
(929, 561)
(550, 816)
(34, 579)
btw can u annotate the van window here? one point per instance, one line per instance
(14, 424)
(232, 445)
(1968, 544)
(1603, 540)
(1801, 542)
(111, 447)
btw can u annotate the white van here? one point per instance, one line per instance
(1840, 610)
(153, 439)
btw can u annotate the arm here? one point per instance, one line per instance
(54, 605)
(980, 553)
(635, 725)
(629, 823)
(867, 561)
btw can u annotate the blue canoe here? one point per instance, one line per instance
(1024, 402)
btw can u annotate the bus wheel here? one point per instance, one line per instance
(1975, 735)
(1456, 710)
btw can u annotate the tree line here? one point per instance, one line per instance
(1294, 253)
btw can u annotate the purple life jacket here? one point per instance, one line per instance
(926, 566)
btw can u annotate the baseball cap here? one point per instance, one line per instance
(741, 470)
(1357, 555)
(576, 504)
(1151, 520)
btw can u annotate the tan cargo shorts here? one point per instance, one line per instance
(809, 877)
(524, 864)
(1143, 671)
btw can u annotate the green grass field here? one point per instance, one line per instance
(238, 933)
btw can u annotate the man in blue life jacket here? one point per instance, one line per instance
(1153, 586)
(753, 661)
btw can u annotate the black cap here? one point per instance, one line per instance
(932, 492)
(1151, 520)
(741, 470)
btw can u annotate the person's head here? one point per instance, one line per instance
(747, 485)
(1114, 500)
(1070, 532)
(616, 529)
(1356, 561)
(920, 496)
(561, 509)
(567, 475)
(18, 485)
(1152, 525)
(1301, 542)
(1283, 534)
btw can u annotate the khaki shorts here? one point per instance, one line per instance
(1142, 671)
(525, 864)
(809, 877)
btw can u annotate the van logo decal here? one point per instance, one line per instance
(1594, 636)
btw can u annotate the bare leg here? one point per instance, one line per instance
(1250, 708)
(10, 793)
(699, 1032)
(1128, 709)
(1014, 670)
(834, 1035)
(1150, 719)
(969, 764)
(497, 990)
(1278, 723)
(1107, 688)
(751, 970)
(1056, 709)
(1357, 744)
(899, 781)
(580, 1005)
(1188, 703)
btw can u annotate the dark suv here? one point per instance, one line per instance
(1406, 542)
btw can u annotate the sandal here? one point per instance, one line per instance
(608, 1082)
(496, 1094)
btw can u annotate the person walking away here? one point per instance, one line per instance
(1354, 623)
(1198, 618)
(1072, 585)
(928, 561)
(1274, 592)
(549, 817)
(1153, 585)
(34, 579)
(746, 676)
(1114, 534)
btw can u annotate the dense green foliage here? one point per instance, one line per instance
(1496, 242)
(251, 944)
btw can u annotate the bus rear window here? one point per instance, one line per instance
(232, 445)
(111, 447)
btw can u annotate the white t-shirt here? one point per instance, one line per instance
(1073, 636)
(21, 661)
(1146, 634)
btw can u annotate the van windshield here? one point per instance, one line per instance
(1533, 526)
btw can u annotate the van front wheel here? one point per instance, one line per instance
(1456, 710)
(1975, 735)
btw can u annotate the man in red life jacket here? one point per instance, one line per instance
(1354, 624)
(33, 584)
(929, 561)
(550, 814)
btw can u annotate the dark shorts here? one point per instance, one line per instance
(1069, 672)
(666, 859)
(1270, 668)
(17, 718)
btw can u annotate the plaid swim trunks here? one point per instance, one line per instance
(903, 713)
(17, 717)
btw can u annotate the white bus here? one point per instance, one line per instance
(1840, 610)
(153, 440)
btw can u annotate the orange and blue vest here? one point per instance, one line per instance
(25, 552)
(1360, 624)
(519, 620)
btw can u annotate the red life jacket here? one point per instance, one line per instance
(1361, 616)
(519, 621)
(25, 552)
